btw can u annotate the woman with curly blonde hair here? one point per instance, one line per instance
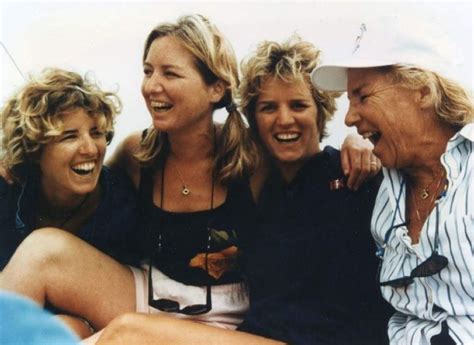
(197, 182)
(192, 178)
(301, 291)
(55, 132)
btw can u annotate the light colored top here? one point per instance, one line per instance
(449, 295)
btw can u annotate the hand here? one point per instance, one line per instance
(6, 174)
(357, 160)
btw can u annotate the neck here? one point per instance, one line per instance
(427, 164)
(61, 202)
(289, 170)
(192, 145)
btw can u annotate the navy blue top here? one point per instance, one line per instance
(184, 235)
(311, 268)
(110, 229)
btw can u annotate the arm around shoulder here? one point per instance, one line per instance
(123, 158)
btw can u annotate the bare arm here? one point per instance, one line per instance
(123, 157)
(136, 328)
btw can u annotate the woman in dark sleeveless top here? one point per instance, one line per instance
(193, 178)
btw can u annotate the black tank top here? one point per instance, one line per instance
(184, 235)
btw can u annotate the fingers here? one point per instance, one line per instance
(375, 166)
(345, 162)
(6, 175)
(358, 162)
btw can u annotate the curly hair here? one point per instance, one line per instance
(31, 118)
(289, 61)
(452, 103)
(215, 60)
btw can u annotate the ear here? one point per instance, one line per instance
(424, 97)
(217, 91)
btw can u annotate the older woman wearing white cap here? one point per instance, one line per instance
(421, 124)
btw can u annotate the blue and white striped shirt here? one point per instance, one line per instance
(449, 295)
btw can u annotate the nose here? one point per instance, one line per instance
(88, 146)
(285, 117)
(352, 116)
(152, 84)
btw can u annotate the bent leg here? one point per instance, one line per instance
(137, 328)
(55, 266)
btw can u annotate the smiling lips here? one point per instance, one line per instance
(287, 137)
(84, 168)
(160, 106)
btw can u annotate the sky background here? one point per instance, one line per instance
(106, 38)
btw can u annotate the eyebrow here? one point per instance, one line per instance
(357, 90)
(145, 63)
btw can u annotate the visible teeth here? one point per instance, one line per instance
(287, 136)
(160, 105)
(89, 166)
(367, 135)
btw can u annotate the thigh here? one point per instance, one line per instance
(55, 266)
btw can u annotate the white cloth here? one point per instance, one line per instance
(452, 290)
(229, 301)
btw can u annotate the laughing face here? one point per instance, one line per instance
(286, 115)
(71, 164)
(388, 114)
(174, 91)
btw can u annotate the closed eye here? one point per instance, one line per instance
(266, 107)
(299, 105)
(96, 133)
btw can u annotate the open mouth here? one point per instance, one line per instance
(84, 168)
(160, 106)
(287, 137)
(373, 136)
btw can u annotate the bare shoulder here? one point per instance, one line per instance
(123, 157)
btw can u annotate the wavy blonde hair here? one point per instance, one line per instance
(452, 103)
(289, 61)
(31, 118)
(215, 60)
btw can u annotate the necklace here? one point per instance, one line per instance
(425, 192)
(68, 215)
(185, 191)
(437, 192)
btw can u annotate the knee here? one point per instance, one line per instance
(122, 327)
(45, 246)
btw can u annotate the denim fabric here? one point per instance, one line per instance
(111, 229)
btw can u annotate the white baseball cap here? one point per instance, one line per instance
(391, 41)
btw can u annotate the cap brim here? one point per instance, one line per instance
(334, 77)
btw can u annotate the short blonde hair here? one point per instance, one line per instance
(31, 118)
(452, 103)
(289, 61)
(215, 60)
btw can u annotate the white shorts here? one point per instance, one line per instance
(229, 301)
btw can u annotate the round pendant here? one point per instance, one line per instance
(185, 191)
(424, 194)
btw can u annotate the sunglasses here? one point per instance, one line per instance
(431, 266)
(171, 306)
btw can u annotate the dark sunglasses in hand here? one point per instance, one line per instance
(431, 266)
(171, 306)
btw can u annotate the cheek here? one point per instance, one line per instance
(102, 148)
(263, 127)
